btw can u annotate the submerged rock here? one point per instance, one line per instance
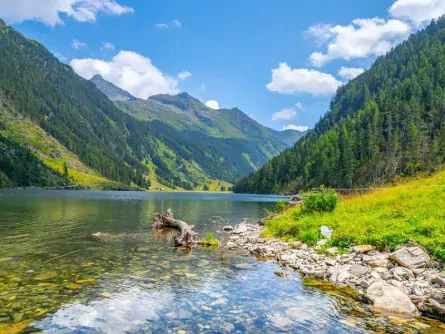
(46, 276)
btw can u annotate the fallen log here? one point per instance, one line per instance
(187, 237)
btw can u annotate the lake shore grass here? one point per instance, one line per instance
(412, 210)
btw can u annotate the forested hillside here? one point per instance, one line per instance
(71, 128)
(389, 121)
(187, 114)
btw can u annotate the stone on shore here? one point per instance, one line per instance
(326, 231)
(362, 249)
(411, 257)
(388, 298)
(228, 228)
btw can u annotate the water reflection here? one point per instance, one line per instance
(57, 278)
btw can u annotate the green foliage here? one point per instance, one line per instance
(389, 121)
(206, 187)
(280, 206)
(322, 201)
(385, 218)
(211, 240)
(20, 168)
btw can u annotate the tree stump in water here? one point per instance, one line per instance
(186, 238)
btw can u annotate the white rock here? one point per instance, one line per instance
(326, 231)
(412, 257)
(391, 299)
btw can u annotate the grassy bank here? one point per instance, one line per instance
(413, 210)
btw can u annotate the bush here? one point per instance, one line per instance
(323, 201)
(280, 206)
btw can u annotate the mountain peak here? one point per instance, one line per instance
(97, 77)
(112, 91)
(183, 101)
(2, 23)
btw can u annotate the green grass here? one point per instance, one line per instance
(210, 240)
(412, 210)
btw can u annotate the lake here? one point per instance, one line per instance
(55, 277)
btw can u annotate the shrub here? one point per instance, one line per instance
(280, 206)
(323, 201)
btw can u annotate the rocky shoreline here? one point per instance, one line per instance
(406, 282)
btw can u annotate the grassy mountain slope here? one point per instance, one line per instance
(389, 121)
(187, 114)
(412, 210)
(70, 109)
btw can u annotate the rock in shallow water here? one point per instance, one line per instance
(391, 299)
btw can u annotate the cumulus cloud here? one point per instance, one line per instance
(129, 71)
(295, 81)
(107, 46)
(284, 114)
(172, 24)
(49, 11)
(184, 75)
(362, 38)
(212, 104)
(78, 45)
(350, 73)
(300, 128)
(417, 11)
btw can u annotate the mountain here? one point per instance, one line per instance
(187, 113)
(63, 129)
(387, 122)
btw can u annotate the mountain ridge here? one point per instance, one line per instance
(196, 111)
(387, 122)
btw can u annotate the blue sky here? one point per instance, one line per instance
(225, 50)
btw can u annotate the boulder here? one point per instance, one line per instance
(358, 270)
(433, 308)
(326, 231)
(391, 299)
(362, 249)
(228, 228)
(411, 257)
(332, 250)
(239, 229)
(436, 279)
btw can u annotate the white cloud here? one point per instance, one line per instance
(417, 11)
(48, 11)
(176, 23)
(212, 104)
(78, 45)
(60, 56)
(184, 75)
(299, 106)
(362, 38)
(129, 71)
(284, 114)
(295, 81)
(107, 46)
(350, 73)
(161, 25)
(300, 128)
(172, 24)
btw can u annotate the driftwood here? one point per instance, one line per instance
(186, 238)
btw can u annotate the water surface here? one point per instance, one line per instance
(55, 277)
